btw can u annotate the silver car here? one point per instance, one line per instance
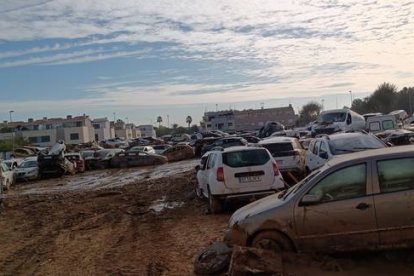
(360, 201)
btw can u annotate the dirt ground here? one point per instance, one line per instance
(148, 227)
(144, 221)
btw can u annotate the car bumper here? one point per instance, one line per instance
(247, 195)
(237, 236)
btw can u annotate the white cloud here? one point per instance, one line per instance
(304, 44)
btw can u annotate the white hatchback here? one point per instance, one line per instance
(237, 172)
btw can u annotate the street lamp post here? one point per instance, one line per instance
(350, 93)
(12, 136)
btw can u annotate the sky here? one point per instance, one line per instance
(136, 60)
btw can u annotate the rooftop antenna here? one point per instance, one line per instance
(262, 105)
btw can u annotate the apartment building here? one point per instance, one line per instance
(250, 119)
(147, 131)
(46, 132)
(102, 129)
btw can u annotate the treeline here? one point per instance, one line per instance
(385, 99)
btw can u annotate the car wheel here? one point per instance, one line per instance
(214, 203)
(272, 240)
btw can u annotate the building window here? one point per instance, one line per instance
(96, 126)
(78, 124)
(74, 136)
(208, 125)
(45, 139)
(230, 124)
(36, 127)
(39, 139)
(33, 139)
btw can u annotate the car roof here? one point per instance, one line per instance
(403, 151)
(277, 139)
(240, 148)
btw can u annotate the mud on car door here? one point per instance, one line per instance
(341, 214)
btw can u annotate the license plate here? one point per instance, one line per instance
(247, 179)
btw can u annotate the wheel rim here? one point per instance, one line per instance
(269, 244)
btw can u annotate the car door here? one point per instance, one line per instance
(394, 201)
(202, 174)
(314, 161)
(344, 216)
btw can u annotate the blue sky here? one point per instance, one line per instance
(141, 59)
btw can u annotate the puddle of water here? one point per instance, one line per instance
(160, 204)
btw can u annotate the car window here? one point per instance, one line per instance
(277, 148)
(210, 161)
(246, 158)
(311, 145)
(374, 126)
(396, 175)
(323, 149)
(316, 148)
(349, 182)
(388, 124)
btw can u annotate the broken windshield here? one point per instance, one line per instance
(333, 117)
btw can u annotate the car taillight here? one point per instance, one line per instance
(220, 174)
(275, 169)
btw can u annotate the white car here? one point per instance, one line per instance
(147, 149)
(7, 176)
(288, 153)
(27, 170)
(325, 148)
(237, 172)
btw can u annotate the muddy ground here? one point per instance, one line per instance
(142, 221)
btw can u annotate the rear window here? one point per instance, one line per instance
(278, 147)
(246, 158)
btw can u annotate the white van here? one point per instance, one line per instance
(335, 120)
(381, 123)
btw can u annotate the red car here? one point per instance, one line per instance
(76, 158)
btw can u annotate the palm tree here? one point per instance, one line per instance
(188, 120)
(159, 121)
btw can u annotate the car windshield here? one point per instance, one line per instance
(333, 117)
(246, 158)
(137, 149)
(28, 164)
(354, 144)
(278, 147)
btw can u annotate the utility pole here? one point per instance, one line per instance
(168, 121)
(114, 116)
(350, 93)
(12, 136)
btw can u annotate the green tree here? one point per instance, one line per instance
(159, 120)
(309, 113)
(189, 120)
(383, 98)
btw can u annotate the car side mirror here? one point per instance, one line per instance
(323, 155)
(310, 199)
(197, 168)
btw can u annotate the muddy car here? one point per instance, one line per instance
(102, 158)
(54, 163)
(396, 136)
(76, 158)
(360, 201)
(178, 153)
(199, 144)
(134, 159)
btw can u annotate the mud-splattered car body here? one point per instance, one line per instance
(102, 158)
(178, 153)
(134, 159)
(361, 201)
(76, 158)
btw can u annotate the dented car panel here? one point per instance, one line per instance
(361, 201)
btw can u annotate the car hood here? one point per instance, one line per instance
(259, 206)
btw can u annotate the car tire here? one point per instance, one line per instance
(214, 203)
(272, 240)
